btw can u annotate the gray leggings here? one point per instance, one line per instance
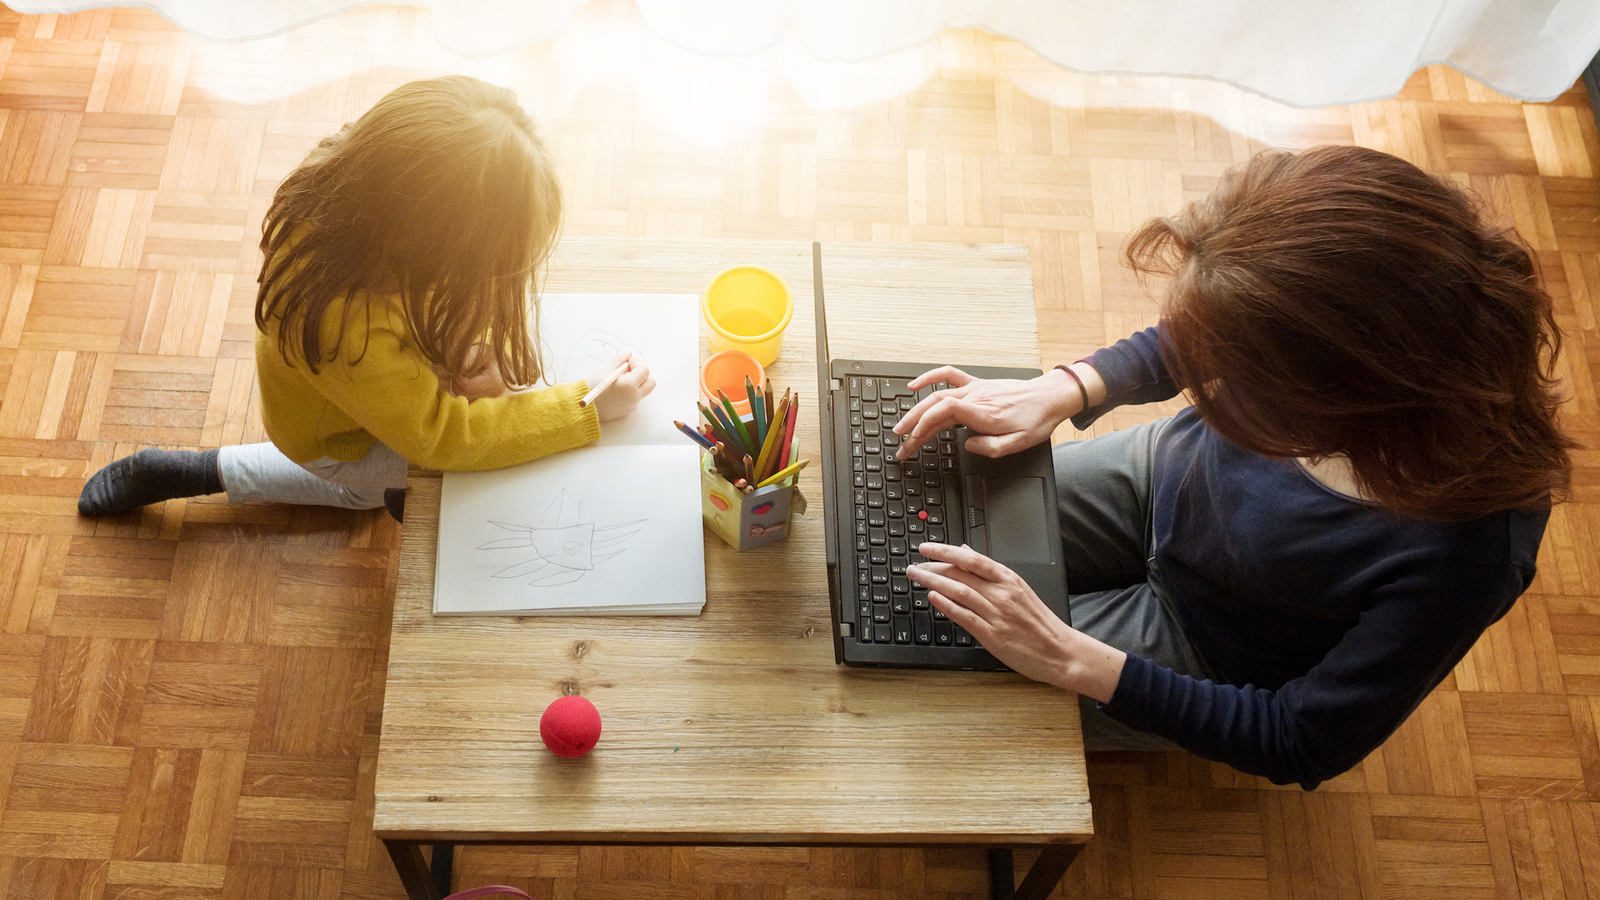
(253, 473)
(1103, 492)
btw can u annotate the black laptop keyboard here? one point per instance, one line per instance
(897, 505)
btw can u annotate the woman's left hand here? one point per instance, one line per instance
(1003, 613)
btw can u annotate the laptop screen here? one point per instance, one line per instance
(830, 523)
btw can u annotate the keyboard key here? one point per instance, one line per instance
(855, 385)
(864, 610)
(873, 464)
(897, 528)
(874, 516)
(874, 481)
(864, 634)
(880, 594)
(880, 612)
(897, 546)
(922, 627)
(962, 638)
(880, 574)
(942, 634)
(877, 536)
(861, 544)
(881, 634)
(879, 556)
(902, 629)
(901, 603)
(869, 389)
(874, 499)
(901, 585)
(920, 601)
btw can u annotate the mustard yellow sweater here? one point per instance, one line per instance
(383, 389)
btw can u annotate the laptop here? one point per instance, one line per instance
(876, 510)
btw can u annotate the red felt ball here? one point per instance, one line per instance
(570, 726)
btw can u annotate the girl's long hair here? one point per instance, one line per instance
(442, 193)
(1342, 301)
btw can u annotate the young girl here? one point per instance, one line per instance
(1278, 575)
(392, 321)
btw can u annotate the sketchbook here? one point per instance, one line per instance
(612, 528)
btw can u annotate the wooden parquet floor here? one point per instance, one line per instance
(190, 697)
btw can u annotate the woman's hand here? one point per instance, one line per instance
(479, 376)
(625, 393)
(1007, 415)
(998, 608)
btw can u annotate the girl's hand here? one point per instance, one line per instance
(998, 608)
(625, 393)
(1007, 415)
(479, 376)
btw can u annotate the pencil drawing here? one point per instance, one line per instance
(595, 348)
(565, 548)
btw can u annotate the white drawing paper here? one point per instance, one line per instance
(612, 528)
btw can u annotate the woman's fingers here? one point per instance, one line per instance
(948, 374)
(968, 559)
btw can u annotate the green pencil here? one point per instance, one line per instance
(737, 422)
(757, 411)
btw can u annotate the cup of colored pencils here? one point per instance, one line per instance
(749, 466)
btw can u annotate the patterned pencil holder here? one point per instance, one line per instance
(744, 520)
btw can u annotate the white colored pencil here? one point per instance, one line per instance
(605, 382)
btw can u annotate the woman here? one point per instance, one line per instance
(1277, 576)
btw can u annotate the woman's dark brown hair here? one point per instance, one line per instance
(442, 193)
(1343, 301)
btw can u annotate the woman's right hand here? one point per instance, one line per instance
(1005, 415)
(625, 393)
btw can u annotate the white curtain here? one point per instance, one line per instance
(1302, 52)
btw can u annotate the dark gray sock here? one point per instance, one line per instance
(149, 476)
(394, 500)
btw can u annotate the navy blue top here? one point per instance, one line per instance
(1329, 617)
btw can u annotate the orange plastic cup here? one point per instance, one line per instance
(726, 371)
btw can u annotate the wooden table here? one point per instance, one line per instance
(736, 726)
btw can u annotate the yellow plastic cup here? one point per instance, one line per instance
(748, 308)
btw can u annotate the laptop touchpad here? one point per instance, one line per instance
(1015, 513)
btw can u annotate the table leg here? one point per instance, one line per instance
(1047, 870)
(413, 870)
(444, 857)
(1002, 877)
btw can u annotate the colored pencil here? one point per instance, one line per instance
(738, 423)
(715, 416)
(781, 474)
(774, 434)
(696, 436)
(784, 458)
(749, 468)
(605, 382)
(768, 399)
(758, 413)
